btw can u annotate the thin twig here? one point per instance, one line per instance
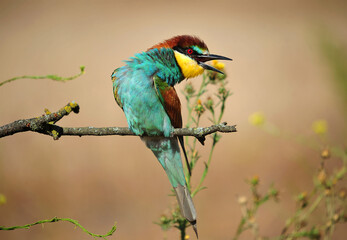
(44, 125)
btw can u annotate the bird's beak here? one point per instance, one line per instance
(201, 59)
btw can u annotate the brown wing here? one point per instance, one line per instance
(172, 106)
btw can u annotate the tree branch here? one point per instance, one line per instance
(46, 125)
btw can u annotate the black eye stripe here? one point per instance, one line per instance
(179, 49)
(183, 50)
(188, 52)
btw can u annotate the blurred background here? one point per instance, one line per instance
(283, 51)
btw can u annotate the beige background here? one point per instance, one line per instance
(277, 69)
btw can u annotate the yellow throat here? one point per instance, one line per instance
(190, 68)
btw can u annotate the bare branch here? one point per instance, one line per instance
(124, 131)
(45, 125)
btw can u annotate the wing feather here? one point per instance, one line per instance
(172, 106)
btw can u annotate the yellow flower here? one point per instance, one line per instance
(218, 65)
(199, 108)
(186, 237)
(320, 127)
(255, 180)
(3, 199)
(257, 119)
(325, 154)
(302, 196)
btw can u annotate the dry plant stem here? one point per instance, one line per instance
(56, 219)
(44, 125)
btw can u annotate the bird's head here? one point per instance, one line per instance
(191, 53)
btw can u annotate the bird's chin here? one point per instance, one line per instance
(190, 68)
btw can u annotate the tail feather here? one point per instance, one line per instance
(168, 153)
(186, 205)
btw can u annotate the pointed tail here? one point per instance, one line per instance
(168, 153)
(186, 205)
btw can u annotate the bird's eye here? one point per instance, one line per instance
(190, 51)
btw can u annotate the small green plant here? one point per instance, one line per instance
(327, 194)
(198, 103)
(249, 209)
(51, 76)
(56, 219)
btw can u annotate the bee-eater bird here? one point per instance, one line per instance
(144, 89)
